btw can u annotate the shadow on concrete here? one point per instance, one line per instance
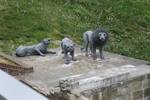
(148, 64)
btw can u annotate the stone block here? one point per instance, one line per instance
(147, 98)
(148, 76)
(109, 93)
(120, 98)
(97, 96)
(71, 97)
(122, 91)
(114, 92)
(135, 85)
(137, 95)
(139, 78)
(146, 83)
(106, 94)
(147, 92)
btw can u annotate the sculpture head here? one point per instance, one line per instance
(46, 41)
(101, 35)
(69, 47)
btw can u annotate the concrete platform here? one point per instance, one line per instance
(49, 70)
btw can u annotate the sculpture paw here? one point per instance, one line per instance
(74, 59)
(86, 54)
(43, 55)
(102, 57)
(94, 57)
(67, 62)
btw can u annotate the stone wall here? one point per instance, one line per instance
(136, 89)
(133, 84)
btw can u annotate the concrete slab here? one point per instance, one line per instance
(50, 69)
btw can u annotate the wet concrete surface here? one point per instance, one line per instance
(50, 69)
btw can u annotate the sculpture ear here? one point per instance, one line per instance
(49, 39)
(46, 41)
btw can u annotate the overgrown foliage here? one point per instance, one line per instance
(29, 21)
